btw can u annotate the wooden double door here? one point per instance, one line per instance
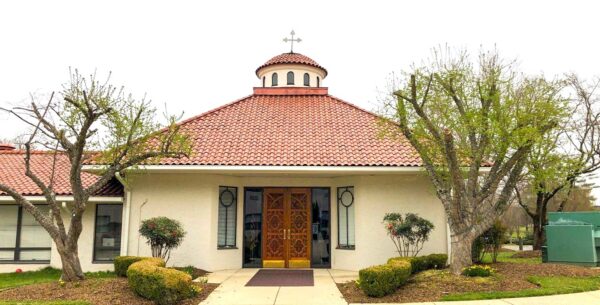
(286, 228)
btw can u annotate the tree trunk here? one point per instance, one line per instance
(71, 267)
(538, 233)
(460, 252)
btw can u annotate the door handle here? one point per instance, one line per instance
(283, 234)
(289, 234)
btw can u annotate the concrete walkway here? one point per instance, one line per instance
(232, 290)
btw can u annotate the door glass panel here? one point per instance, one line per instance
(252, 228)
(321, 255)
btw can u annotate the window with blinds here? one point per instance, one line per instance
(345, 199)
(227, 217)
(22, 238)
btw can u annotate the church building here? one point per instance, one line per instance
(287, 177)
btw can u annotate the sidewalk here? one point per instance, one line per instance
(232, 290)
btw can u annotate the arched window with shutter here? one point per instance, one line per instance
(318, 82)
(306, 79)
(264, 81)
(274, 80)
(290, 78)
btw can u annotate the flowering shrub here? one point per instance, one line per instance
(163, 234)
(408, 233)
(19, 270)
(478, 270)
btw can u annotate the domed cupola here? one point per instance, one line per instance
(291, 70)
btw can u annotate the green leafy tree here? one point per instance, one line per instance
(473, 125)
(163, 235)
(559, 162)
(408, 233)
(89, 115)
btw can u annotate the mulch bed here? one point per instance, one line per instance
(432, 285)
(96, 291)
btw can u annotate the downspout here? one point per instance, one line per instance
(140, 222)
(126, 213)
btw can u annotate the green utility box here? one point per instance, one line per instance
(573, 237)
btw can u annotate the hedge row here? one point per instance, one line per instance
(148, 277)
(422, 263)
(381, 280)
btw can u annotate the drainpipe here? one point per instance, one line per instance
(139, 222)
(126, 213)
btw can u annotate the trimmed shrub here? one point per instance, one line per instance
(402, 270)
(122, 263)
(377, 281)
(422, 263)
(149, 279)
(478, 270)
(437, 261)
(163, 234)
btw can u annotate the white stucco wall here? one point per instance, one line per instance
(193, 200)
(86, 246)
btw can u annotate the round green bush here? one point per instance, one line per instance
(377, 281)
(122, 263)
(163, 234)
(402, 271)
(151, 280)
(437, 261)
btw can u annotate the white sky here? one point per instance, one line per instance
(196, 55)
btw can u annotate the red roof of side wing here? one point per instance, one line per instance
(12, 173)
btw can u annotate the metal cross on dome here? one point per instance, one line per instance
(291, 40)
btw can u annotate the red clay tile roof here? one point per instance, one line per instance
(12, 173)
(291, 58)
(277, 128)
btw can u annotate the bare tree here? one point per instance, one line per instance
(556, 164)
(89, 116)
(473, 126)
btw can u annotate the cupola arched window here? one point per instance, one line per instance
(290, 78)
(318, 82)
(306, 79)
(264, 80)
(274, 80)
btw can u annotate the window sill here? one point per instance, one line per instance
(103, 262)
(346, 248)
(24, 262)
(227, 248)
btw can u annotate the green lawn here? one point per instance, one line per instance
(8, 280)
(506, 257)
(548, 286)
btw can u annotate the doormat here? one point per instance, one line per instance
(282, 277)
